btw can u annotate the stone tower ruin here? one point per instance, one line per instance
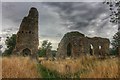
(27, 36)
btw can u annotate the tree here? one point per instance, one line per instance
(114, 7)
(116, 41)
(115, 18)
(45, 48)
(10, 43)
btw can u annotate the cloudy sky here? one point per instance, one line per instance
(58, 18)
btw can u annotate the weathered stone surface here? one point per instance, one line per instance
(74, 44)
(27, 36)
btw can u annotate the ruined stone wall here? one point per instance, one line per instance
(100, 45)
(27, 36)
(81, 45)
(72, 39)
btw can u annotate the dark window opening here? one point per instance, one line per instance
(22, 32)
(29, 32)
(69, 50)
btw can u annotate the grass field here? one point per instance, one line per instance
(83, 67)
(19, 67)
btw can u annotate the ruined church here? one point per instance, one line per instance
(74, 44)
(27, 36)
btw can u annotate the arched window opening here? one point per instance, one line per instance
(91, 49)
(100, 51)
(99, 47)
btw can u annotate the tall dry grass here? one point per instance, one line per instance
(86, 66)
(19, 67)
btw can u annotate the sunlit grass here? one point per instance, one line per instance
(19, 67)
(82, 67)
(86, 67)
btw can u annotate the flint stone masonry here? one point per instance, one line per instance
(74, 44)
(27, 36)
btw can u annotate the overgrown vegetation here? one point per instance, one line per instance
(114, 7)
(10, 43)
(45, 48)
(47, 73)
(116, 42)
(19, 67)
(84, 67)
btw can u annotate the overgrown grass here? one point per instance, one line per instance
(19, 67)
(50, 74)
(47, 73)
(84, 67)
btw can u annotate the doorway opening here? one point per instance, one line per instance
(69, 50)
(26, 52)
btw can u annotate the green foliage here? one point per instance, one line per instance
(113, 51)
(10, 43)
(49, 74)
(116, 41)
(114, 7)
(46, 73)
(41, 53)
(46, 46)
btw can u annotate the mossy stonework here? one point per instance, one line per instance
(27, 36)
(74, 44)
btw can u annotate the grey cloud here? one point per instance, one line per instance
(72, 12)
(49, 22)
(57, 18)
